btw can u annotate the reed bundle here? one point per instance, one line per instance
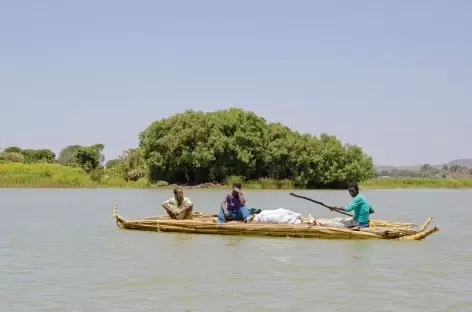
(209, 217)
(205, 224)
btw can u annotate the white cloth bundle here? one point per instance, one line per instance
(279, 215)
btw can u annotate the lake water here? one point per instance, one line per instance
(60, 250)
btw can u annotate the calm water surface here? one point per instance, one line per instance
(61, 251)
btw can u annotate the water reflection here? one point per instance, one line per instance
(179, 239)
(233, 241)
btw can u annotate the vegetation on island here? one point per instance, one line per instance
(456, 174)
(196, 147)
(394, 183)
(444, 171)
(211, 149)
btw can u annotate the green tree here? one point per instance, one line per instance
(89, 158)
(44, 155)
(33, 155)
(67, 155)
(197, 147)
(86, 157)
(12, 149)
(129, 165)
(132, 164)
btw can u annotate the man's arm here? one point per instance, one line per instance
(353, 204)
(166, 203)
(371, 209)
(242, 200)
(223, 206)
(186, 208)
(188, 205)
(340, 209)
(170, 206)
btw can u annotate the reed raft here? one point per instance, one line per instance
(203, 223)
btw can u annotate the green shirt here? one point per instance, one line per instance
(361, 209)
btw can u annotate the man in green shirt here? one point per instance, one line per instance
(361, 207)
(178, 207)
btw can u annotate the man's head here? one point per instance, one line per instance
(236, 185)
(353, 189)
(179, 193)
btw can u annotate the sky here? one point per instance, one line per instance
(394, 77)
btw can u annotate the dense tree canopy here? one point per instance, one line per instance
(86, 157)
(197, 147)
(16, 154)
(67, 155)
(89, 157)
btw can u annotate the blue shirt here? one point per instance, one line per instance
(361, 209)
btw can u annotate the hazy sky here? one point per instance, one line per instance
(394, 77)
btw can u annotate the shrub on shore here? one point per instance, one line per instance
(197, 147)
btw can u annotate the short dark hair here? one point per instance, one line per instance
(237, 184)
(353, 185)
(176, 189)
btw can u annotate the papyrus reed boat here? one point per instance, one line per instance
(204, 223)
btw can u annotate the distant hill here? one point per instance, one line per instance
(461, 162)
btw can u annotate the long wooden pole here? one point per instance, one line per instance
(318, 202)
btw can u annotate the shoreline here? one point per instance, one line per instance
(370, 185)
(18, 175)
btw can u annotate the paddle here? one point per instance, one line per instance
(319, 203)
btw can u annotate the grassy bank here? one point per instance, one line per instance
(378, 183)
(43, 175)
(394, 183)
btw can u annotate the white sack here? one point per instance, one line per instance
(279, 215)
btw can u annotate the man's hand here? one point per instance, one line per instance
(174, 210)
(226, 213)
(181, 212)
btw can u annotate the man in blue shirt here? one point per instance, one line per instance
(361, 207)
(233, 206)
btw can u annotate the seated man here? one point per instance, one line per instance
(362, 209)
(233, 206)
(178, 207)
